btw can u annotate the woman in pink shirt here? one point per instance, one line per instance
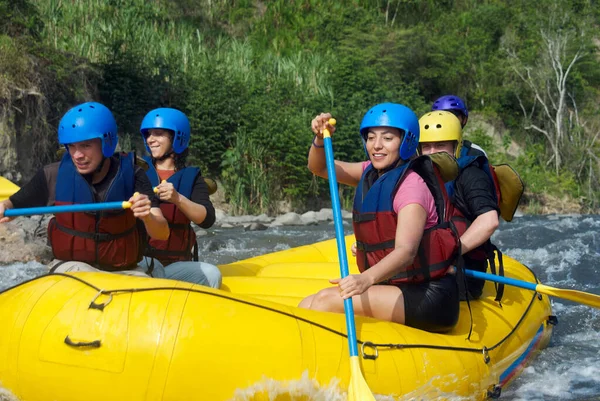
(404, 250)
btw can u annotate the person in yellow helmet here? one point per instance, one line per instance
(473, 193)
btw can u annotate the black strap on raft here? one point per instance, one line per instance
(195, 251)
(492, 261)
(461, 276)
(150, 267)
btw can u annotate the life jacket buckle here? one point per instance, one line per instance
(374, 355)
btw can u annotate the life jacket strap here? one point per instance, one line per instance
(96, 237)
(361, 246)
(362, 217)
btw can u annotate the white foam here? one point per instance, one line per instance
(17, 273)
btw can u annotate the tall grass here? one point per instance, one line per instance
(101, 31)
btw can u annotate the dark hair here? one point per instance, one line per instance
(180, 159)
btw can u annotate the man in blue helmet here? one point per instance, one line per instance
(403, 224)
(91, 172)
(184, 198)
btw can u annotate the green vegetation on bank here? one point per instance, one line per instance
(251, 75)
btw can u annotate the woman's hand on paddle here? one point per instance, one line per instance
(167, 192)
(353, 249)
(3, 219)
(320, 122)
(352, 285)
(140, 206)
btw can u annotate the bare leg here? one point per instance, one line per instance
(384, 302)
(307, 302)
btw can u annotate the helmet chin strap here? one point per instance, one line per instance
(101, 165)
(90, 176)
(165, 156)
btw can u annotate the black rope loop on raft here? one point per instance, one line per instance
(483, 350)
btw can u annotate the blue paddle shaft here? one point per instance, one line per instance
(500, 279)
(84, 207)
(341, 245)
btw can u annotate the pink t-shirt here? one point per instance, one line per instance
(414, 190)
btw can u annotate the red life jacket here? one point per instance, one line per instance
(375, 222)
(106, 240)
(181, 244)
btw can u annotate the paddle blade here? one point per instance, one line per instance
(359, 389)
(572, 295)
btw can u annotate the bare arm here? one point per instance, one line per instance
(346, 173)
(479, 231)
(156, 224)
(193, 211)
(152, 217)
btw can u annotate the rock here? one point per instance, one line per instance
(220, 215)
(310, 219)
(199, 231)
(24, 240)
(227, 225)
(255, 227)
(246, 219)
(215, 245)
(325, 214)
(346, 215)
(289, 219)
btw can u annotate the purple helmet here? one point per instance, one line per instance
(452, 103)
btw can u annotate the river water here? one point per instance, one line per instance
(564, 251)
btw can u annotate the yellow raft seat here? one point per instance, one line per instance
(96, 336)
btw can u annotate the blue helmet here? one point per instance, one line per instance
(170, 119)
(451, 103)
(89, 121)
(395, 116)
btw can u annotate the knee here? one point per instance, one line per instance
(327, 300)
(213, 275)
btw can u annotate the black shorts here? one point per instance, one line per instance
(431, 306)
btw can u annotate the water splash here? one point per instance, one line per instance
(6, 395)
(309, 389)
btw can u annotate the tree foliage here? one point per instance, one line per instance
(252, 74)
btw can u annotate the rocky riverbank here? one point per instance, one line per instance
(24, 239)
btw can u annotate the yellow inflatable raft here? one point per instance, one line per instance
(97, 337)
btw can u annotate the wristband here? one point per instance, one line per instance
(315, 144)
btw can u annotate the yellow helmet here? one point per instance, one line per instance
(441, 126)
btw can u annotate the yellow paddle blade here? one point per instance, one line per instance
(572, 295)
(7, 188)
(359, 389)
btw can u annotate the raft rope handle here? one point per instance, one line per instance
(369, 344)
(92, 344)
(484, 351)
(100, 307)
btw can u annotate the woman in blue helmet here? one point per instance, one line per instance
(400, 210)
(91, 172)
(184, 198)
